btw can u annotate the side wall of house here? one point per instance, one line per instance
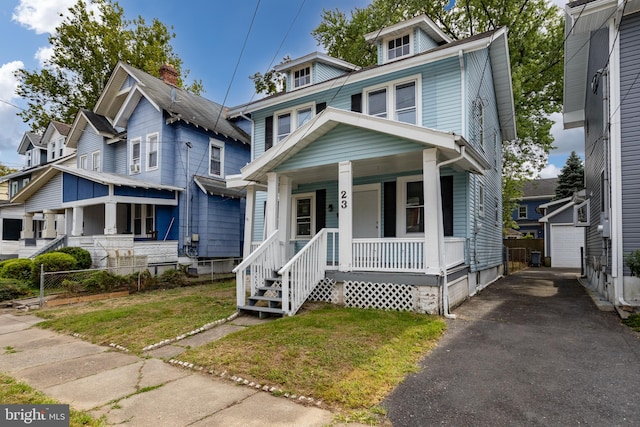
(485, 196)
(144, 121)
(88, 143)
(49, 196)
(630, 132)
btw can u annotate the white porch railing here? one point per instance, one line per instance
(303, 272)
(454, 251)
(262, 262)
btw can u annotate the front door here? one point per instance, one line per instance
(366, 211)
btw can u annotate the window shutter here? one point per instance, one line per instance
(390, 209)
(268, 133)
(321, 209)
(356, 102)
(446, 193)
(320, 107)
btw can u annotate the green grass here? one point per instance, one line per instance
(348, 358)
(147, 318)
(633, 321)
(15, 392)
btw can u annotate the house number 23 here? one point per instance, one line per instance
(343, 200)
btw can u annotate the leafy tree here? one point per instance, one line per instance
(86, 49)
(571, 178)
(6, 170)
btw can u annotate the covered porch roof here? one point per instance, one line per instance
(449, 146)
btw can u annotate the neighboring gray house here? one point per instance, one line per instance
(602, 61)
(564, 242)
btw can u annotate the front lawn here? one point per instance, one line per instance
(145, 318)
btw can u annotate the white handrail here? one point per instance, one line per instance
(262, 262)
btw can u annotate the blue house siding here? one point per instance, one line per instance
(422, 41)
(75, 188)
(630, 132)
(322, 72)
(222, 235)
(143, 192)
(167, 221)
(88, 143)
(144, 121)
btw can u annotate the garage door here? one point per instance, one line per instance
(566, 241)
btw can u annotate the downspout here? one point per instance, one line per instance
(463, 92)
(441, 250)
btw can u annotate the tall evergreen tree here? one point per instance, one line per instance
(86, 49)
(571, 178)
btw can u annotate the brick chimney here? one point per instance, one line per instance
(168, 74)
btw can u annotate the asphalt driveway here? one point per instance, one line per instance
(530, 350)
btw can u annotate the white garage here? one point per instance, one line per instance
(565, 243)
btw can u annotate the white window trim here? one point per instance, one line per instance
(481, 197)
(294, 217)
(93, 158)
(220, 145)
(293, 76)
(526, 211)
(131, 159)
(294, 118)
(385, 46)
(391, 96)
(81, 159)
(143, 219)
(148, 153)
(401, 202)
(14, 188)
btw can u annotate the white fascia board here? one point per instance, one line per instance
(555, 202)
(417, 60)
(130, 104)
(422, 21)
(556, 212)
(315, 57)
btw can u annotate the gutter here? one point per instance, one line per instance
(441, 250)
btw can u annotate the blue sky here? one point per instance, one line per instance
(209, 37)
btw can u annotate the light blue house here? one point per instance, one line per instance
(379, 187)
(149, 177)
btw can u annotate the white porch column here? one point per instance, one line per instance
(78, 221)
(284, 215)
(431, 186)
(27, 226)
(272, 203)
(49, 231)
(249, 215)
(110, 218)
(61, 225)
(345, 215)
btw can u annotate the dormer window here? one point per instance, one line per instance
(301, 77)
(399, 47)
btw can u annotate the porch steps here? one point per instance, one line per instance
(267, 301)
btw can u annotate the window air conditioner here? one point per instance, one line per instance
(135, 168)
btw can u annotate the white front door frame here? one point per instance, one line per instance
(357, 213)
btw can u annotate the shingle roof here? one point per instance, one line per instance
(99, 122)
(540, 187)
(62, 128)
(217, 187)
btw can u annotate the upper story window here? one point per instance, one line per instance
(52, 150)
(28, 156)
(399, 47)
(82, 163)
(152, 151)
(288, 121)
(301, 77)
(481, 200)
(14, 188)
(25, 182)
(401, 97)
(95, 161)
(134, 164)
(522, 212)
(216, 158)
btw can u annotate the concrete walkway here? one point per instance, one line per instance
(134, 391)
(530, 350)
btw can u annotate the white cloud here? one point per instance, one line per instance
(550, 171)
(568, 140)
(41, 16)
(12, 126)
(43, 54)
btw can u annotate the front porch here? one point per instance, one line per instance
(386, 273)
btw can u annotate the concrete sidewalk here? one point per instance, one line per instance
(134, 391)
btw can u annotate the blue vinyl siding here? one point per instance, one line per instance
(144, 121)
(88, 143)
(422, 41)
(223, 235)
(630, 132)
(75, 188)
(143, 192)
(165, 215)
(323, 72)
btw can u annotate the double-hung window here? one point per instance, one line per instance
(399, 47)
(522, 212)
(95, 161)
(216, 158)
(288, 121)
(397, 100)
(302, 77)
(134, 165)
(152, 151)
(83, 162)
(303, 215)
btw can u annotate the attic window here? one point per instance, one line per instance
(398, 47)
(302, 77)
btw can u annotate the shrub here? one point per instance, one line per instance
(17, 268)
(172, 279)
(103, 281)
(633, 262)
(13, 289)
(52, 261)
(82, 256)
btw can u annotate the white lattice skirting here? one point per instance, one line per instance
(385, 296)
(326, 291)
